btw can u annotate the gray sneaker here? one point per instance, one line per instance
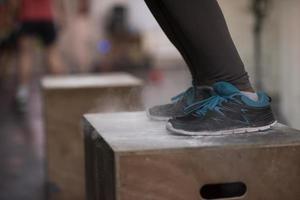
(229, 111)
(179, 102)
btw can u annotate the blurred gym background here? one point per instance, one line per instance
(97, 36)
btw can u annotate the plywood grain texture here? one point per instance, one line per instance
(132, 158)
(66, 99)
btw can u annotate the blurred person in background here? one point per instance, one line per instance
(79, 49)
(221, 99)
(122, 49)
(37, 22)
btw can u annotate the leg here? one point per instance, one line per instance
(47, 33)
(54, 61)
(26, 51)
(198, 30)
(176, 36)
(205, 40)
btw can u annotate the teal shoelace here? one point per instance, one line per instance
(213, 103)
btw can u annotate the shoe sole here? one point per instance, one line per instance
(221, 133)
(156, 118)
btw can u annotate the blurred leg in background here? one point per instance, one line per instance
(26, 50)
(37, 24)
(31, 32)
(53, 58)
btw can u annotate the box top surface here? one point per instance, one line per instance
(90, 81)
(134, 132)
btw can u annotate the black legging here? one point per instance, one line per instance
(198, 30)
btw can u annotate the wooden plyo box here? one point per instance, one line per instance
(129, 157)
(66, 99)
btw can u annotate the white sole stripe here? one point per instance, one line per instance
(220, 133)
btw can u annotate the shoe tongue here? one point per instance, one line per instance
(225, 89)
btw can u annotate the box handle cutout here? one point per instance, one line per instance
(223, 190)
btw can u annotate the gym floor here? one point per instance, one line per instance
(21, 149)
